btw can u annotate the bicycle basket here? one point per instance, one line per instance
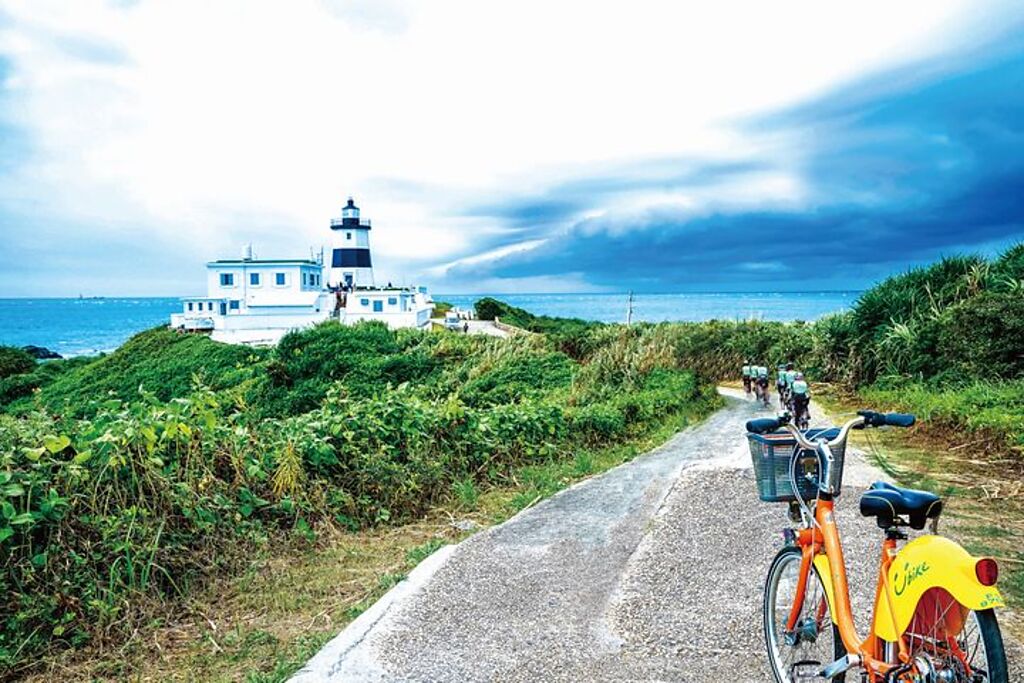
(770, 454)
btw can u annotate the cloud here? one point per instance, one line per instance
(514, 146)
(894, 178)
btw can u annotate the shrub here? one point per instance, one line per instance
(984, 337)
(305, 364)
(161, 361)
(14, 361)
(599, 422)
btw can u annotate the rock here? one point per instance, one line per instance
(41, 352)
(465, 525)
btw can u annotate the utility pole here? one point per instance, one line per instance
(629, 309)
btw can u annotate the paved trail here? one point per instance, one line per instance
(650, 572)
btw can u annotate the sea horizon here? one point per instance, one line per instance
(73, 326)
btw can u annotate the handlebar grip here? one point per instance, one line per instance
(900, 419)
(764, 424)
(873, 419)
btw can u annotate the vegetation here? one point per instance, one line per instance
(131, 479)
(572, 335)
(441, 307)
(14, 361)
(947, 326)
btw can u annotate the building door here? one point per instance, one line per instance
(223, 308)
(348, 280)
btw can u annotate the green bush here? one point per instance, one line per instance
(983, 338)
(519, 376)
(598, 422)
(14, 361)
(305, 364)
(161, 361)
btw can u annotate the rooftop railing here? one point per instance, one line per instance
(337, 222)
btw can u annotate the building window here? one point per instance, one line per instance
(378, 306)
(190, 307)
(348, 235)
(279, 279)
(209, 305)
(364, 302)
(227, 280)
(254, 279)
(392, 301)
(234, 305)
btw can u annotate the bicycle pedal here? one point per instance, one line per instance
(805, 671)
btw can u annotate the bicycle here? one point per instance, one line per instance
(933, 618)
(763, 393)
(780, 385)
(800, 403)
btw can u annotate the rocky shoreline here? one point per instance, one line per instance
(41, 352)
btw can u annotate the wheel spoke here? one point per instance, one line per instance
(814, 630)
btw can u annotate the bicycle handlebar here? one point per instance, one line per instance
(829, 480)
(865, 418)
(873, 419)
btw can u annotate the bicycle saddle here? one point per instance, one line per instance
(887, 503)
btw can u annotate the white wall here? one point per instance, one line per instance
(360, 238)
(267, 279)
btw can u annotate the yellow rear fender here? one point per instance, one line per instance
(931, 562)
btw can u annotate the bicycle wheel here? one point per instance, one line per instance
(952, 644)
(800, 656)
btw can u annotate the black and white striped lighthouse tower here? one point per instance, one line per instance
(350, 252)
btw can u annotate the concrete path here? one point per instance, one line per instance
(485, 327)
(650, 572)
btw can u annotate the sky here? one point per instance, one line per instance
(508, 147)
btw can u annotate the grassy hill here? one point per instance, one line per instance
(130, 479)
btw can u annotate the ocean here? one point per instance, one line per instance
(74, 327)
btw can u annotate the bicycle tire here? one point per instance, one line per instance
(786, 556)
(996, 668)
(995, 650)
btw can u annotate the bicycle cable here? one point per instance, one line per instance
(804, 508)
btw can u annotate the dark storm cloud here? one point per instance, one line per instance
(569, 198)
(900, 168)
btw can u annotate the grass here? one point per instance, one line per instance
(262, 626)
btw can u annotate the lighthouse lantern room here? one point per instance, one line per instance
(351, 266)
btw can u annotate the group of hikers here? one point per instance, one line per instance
(794, 394)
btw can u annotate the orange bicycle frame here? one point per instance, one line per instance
(870, 650)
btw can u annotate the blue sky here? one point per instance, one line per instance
(740, 147)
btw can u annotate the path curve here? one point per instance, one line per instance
(650, 572)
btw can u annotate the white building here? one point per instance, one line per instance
(258, 301)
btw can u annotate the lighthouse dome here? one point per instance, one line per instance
(350, 210)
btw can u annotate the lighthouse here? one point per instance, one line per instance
(350, 250)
